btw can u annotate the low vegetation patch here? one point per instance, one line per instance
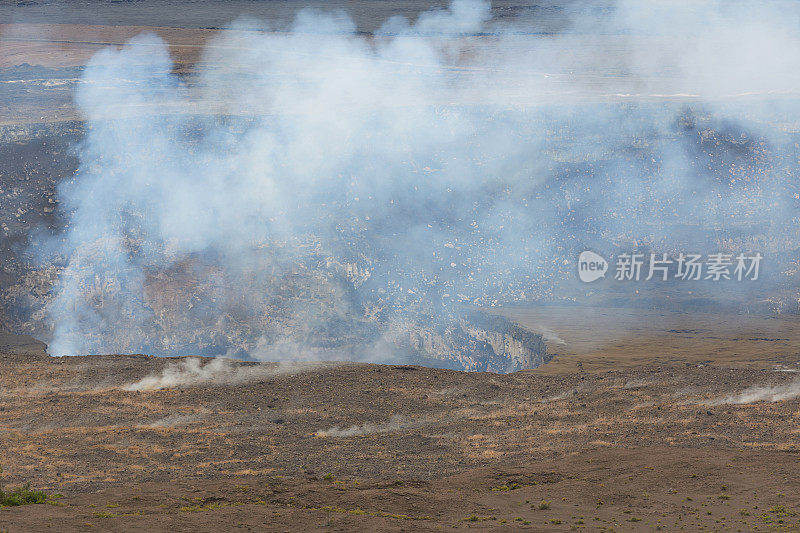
(506, 488)
(21, 496)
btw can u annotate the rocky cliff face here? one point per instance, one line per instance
(481, 342)
(520, 348)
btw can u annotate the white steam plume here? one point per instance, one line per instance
(778, 393)
(192, 372)
(395, 423)
(307, 177)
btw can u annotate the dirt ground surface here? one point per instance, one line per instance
(628, 430)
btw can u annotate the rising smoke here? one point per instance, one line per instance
(192, 372)
(394, 424)
(777, 393)
(317, 184)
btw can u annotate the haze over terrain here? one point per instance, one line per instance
(309, 191)
(267, 200)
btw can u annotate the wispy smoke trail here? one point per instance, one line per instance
(777, 393)
(320, 188)
(192, 372)
(173, 421)
(395, 423)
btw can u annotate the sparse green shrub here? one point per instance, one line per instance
(21, 496)
(506, 488)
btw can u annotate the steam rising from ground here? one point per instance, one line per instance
(173, 421)
(777, 393)
(317, 184)
(395, 423)
(192, 372)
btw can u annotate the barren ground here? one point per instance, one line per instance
(623, 431)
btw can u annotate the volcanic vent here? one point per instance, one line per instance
(315, 306)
